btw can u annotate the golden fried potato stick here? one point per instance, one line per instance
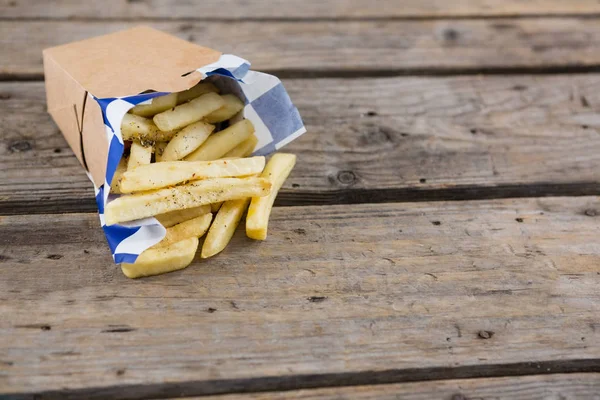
(155, 261)
(170, 173)
(187, 140)
(198, 193)
(243, 149)
(134, 127)
(188, 113)
(176, 217)
(277, 170)
(222, 229)
(158, 104)
(115, 183)
(232, 106)
(196, 91)
(195, 227)
(222, 142)
(139, 155)
(159, 148)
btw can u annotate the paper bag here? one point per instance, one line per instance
(91, 84)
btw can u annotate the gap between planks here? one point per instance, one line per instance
(308, 9)
(555, 386)
(291, 19)
(315, 381)
(290, 73)
(345, 197)
(363, 48)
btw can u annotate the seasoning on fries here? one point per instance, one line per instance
(182, 168)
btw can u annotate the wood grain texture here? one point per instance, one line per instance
(559, 386)
(356, 47)
(394, 291)
(282, 9)
(368, 140)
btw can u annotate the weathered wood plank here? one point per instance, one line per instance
(282, 9)
(368, 140)
(559, 386)
(355, 47)
(395, 291)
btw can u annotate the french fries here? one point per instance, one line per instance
(140, 128)
(197, 193)
(243, 149)
(195, 173)
(188, 113)
(187, 140)
(161, 260)
(170, 173)
(277, 170)
(157, 105)
(176, 217)
(116, 180)
(232, 106)
(195, 227)
(196, 91)
(222, 142)
(214, 207)
(159, 149)
(223, 228)
(139, 155)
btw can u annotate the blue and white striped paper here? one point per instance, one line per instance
(268, 107)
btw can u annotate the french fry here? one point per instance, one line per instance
(158, 104)
(195, 227)
(139, 155)
(159, 149)
(188, 113)
(222, 142)
(170, 173)
(187, 140)
(197, 193)
(243, 149)
(223, 227)
(277, 170)
(232, 106)
(177, 217)
(155, 261)
(214, 207)
(196, 91)
(140, 128)
(116, 180)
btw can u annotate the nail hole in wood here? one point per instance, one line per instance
(346, 177)
(19, 146)
(485, 334)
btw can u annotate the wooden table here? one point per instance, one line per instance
(438, 239)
